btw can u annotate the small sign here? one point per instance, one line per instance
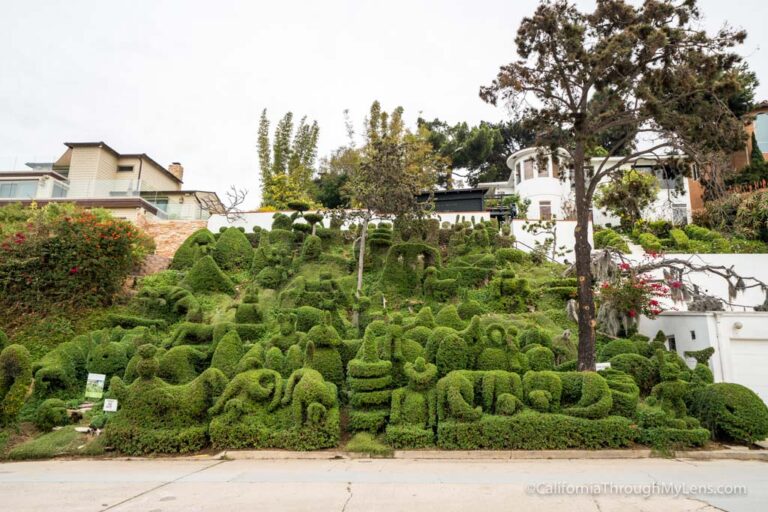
(602, 366)
(94, 387)
(110, 405)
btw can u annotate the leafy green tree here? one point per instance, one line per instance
(478, 153)
(396, 165)
(287, 165)
(627, 196)
(648, 70)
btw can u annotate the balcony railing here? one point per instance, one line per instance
(186, 211)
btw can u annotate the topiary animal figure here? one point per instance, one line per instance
(731, 412)
(197, 245)
(287, 335)
(413, 415)
(51, 413)
(155, 416)
(326, 357)
(309, 395)
(15, 381)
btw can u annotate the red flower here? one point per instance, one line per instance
(624, 266)
(74, 270)
(653, 302)
(676, 284)
(632, 313)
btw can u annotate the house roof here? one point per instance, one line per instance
(106, 147)
(31, 174)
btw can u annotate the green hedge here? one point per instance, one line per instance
(530, 430)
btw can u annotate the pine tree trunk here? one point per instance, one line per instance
(583, 253)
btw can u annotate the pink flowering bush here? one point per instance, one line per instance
(61, 255)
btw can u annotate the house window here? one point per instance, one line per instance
(555, 168)
(543, 171)
(761, 132)
(545, 210)
(672, 343)
(18, 189)
(59, 190)
(124, 168)
(528, 169)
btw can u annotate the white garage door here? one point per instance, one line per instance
(749, 359)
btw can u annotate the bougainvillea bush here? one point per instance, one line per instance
(60, 255)
(456, 341)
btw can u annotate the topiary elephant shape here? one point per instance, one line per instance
(151, 402)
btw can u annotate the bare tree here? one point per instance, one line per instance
(230, 208)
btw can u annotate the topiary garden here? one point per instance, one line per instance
(457, 341)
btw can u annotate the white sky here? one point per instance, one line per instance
(186, 79)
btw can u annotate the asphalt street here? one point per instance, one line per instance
(166, 485)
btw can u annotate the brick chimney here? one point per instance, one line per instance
(177, 170)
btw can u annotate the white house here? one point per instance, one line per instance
(739, 339)
(546, 182)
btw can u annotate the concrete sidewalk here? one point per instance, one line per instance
(369, 485)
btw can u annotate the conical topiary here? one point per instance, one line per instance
(205, 276)
(233, 250)
(229, 350)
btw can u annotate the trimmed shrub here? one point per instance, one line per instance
(312, 248)
(308, 317)
(248, 314)
(370, 380)
(197, 245)
(229, 351)
(731, 412)
(540, 358)
(233, 250)
(15, 381)
(51, 413)
(509, 255)
(448, 316)
(644, 371)
(470, 308)
(679, 238)
(534, 336)
(155, 416)
(616, 347)
(530, 430)
(607, 238)
(206, 277)
(326, 358)
(649, 242)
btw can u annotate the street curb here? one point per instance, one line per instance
(485, 455)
